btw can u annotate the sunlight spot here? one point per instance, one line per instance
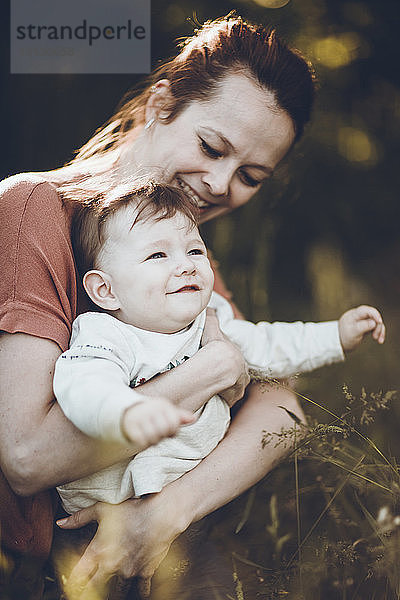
(272, 3)
(356, 145)
(337, 51)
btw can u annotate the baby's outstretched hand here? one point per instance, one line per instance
(152, 420)
(356, 323)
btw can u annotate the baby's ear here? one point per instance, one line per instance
(99, 289)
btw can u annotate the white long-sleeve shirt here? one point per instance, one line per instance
(94, 383)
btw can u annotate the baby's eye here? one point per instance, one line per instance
(247, 180)
(156, 255)
(209, 150)
(196, 251)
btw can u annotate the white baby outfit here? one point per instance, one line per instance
(93, 384)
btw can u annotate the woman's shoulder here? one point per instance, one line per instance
(18, 188)
(31, 199)
(24, 182)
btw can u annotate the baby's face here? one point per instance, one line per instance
(159, 271)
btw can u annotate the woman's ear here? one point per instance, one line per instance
(99, 289)
(159, 100)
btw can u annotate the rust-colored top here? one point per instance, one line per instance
(40, 296)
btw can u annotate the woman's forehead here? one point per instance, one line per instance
(238, 92)
(245, 115)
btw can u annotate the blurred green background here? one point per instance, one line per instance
(320, 237)
(323, 235)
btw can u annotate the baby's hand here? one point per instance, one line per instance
(355, 323)
(152, 420)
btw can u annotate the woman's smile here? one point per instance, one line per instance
(202, 204)
(218, 151)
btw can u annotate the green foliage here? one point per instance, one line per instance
(322, 235)
(344, 494)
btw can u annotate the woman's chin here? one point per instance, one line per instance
(210, 212)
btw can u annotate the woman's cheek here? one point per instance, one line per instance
(242, 197)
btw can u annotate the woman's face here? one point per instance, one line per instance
(219, 151)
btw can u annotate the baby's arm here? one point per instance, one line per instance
(91, 384)
(283, 349)
(150, 421)
(356, 323)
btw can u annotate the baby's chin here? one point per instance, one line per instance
(172, 329)
(182, 325)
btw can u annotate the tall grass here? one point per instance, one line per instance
(326, 524)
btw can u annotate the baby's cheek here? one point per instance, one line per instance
(210, 276)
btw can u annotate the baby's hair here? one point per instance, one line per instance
(147, 199)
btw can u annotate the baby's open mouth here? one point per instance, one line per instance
(187, 288)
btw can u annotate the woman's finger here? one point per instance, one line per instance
(98, 583)
(81, 575)
(236, 392)
(79, 519)
(212, 329)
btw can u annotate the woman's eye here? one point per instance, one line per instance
(209, 150)
(156, 255)
(196, 251)
(249, 180)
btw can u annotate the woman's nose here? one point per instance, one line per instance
(217, 182)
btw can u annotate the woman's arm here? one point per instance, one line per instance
(146, 527)
(212, 370)
(38, 445)
(40, 448)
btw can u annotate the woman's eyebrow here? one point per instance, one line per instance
(221, 136)
(229, 144)
(267, 170)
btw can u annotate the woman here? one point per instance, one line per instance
(216, 120)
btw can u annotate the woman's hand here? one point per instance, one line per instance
(232, 358)
(134, 537)
(39, 429)
(131, 540)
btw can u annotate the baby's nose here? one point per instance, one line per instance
(186, 267)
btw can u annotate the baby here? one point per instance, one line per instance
(145, 265)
